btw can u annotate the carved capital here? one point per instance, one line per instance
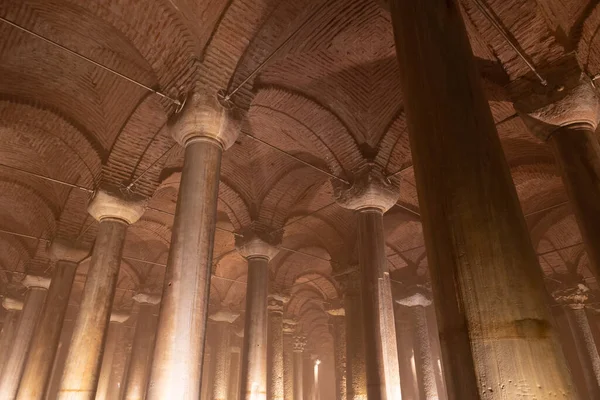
(299, 344)
(205, 117)
(111, 203)
(275, 303)
(11, 304)
(289, 326)
(61, 250)
(574, 297)
(370, 189)
(575, 104)
(415, 296)
(118, 317)
(350, 281)
(257, 241)
(35, 281)
(226, 316)
(146, 298)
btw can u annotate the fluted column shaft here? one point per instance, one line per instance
(82, 366)
(338, 327)
(9, 327)
(254, 350)
(586, 348)
(222, 361)
(13, 368)
(46, 337)
(176, 368)
(275, 348)
(478, 246)
(578, 154)
(141, 353)
(356, 376)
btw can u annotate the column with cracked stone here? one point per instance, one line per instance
(371, 195)
(140, 360)
(32, 306)
(495, 326)
(82, 366)
(275, 378)
(258, 249)
(115, 332)
(205, 128)
(299, 345)
(223, 320)
(337, 317)
(44, 344)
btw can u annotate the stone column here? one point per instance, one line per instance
(223, 320)
(207, 362)
(234, 378)
(9, 327)
(258, 252)
(418, 303)
(32, 306)
(406, 356)
(61, 356)
(289, 327)
(82, 366)
(356, 376)
(371, 195)
(275, 346)
(299, 345)
(104, 389)
(140, 360)
(436, 353)
(338, 331)
(497, 337)
(206, 129)
(46, 337)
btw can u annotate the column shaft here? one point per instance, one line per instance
(82, 366)
(494, 322)
(423, 361)
(586, 349)
(436, 353)
(13, 368)
(112, 338)
(383, 380)
(275, 352)
(298, 375)
(288, 366)
(339, 354)
(46, 337)
(141, 353)
(59, 360)
(207, 372)
(234, 379)
(9, 327)
(578, 154)
(222, 361)
(177, 363)
(405, 335)
(254, 351)
(356, 376)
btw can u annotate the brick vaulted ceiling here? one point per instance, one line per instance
(330, 96)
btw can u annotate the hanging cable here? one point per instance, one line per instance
(48, 178)
(97, 64)
(151, 165)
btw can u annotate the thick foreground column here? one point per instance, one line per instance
(46, 337)
(289, 327)
(32, 306)
(371, 195)
(496, 336)
(82, 367)
(223, 320)
(140, 360)
(258, 252)
(426, 380)
(205, 129)
(275, 381)
(113, 337)
(299, 345)
(338, 331)
(9, 327)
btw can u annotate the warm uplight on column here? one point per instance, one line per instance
(316, 369)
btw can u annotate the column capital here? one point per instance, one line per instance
(64, 250)
(350, 281)
(299, 344)
(289, 326)
(110, 203)
(11, 304)
(35, 281)
(574, 297)
(205, 117)
(574, 104)
(257, 241)
(146, 298)
(275, 302)
(118, 317)
(416, 296)
(336, 312)
(226, 316)
(370, 189)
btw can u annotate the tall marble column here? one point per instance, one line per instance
(234, 378)
(136, 382)
(113, 337)
(298, 349)
(82, 366)
(418, 303)
(275, 347)
(46, 337)
(406, 356)
(567, 120)
(205, 129)
(289, 327)
(495, 326)
(32, 306)
(223, 320)
(436, 353)
(371, 195)
(337, 316)
(207, 363)
(356, 376)
(9, 327)
(258, 252)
